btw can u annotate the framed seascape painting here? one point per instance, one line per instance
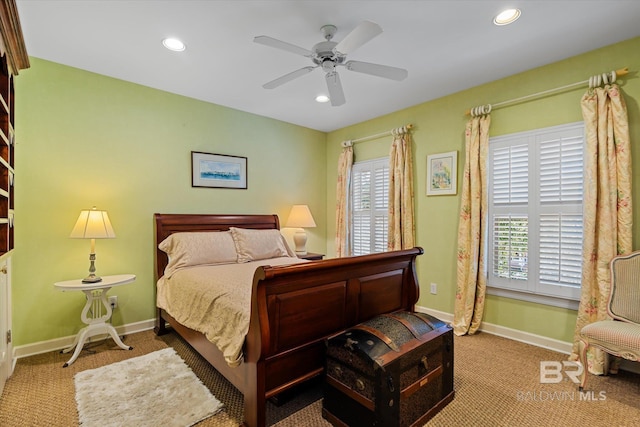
(218, 171)
(442, 173)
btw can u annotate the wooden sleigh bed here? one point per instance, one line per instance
(293, 308)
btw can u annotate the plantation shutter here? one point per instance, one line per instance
(361, 212)
(535, 208)
(561, 189)
(370, 192)
(510, 220)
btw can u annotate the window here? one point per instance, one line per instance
(369, 206)
(535, 214)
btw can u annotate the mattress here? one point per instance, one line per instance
(215, 300)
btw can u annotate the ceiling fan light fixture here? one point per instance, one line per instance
(328, 65)
(322, 98)
(173, 44)
(328, 55)
(507, 17)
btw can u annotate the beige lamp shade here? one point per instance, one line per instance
(300, 217)
(93, 224)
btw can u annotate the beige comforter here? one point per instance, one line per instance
(215, 300)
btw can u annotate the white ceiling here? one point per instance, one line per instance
(446, 46)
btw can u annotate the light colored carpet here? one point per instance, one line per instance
(151, 390)
(496, 380)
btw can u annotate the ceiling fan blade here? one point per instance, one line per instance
(279, 44)
(359, 36)
(336, 94)
(385, 71)
(288, 77)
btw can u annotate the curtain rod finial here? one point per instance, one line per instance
(622, 71)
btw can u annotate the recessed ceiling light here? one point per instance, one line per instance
(322, 98)
(174, 44)
(507, 17)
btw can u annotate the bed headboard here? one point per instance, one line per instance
(167, 224)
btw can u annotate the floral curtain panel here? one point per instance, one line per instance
(607, 206)
(402, 228)
(471, 278)
(345, 161)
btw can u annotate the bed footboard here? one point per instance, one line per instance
(294, 308)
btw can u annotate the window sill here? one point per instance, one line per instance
(534, 298)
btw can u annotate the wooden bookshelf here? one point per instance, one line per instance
(13, 58)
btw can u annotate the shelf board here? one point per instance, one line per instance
(4, 137)
(3, 103)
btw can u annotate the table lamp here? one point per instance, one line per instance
(300, 217)
(93, 224)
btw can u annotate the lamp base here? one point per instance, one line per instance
(300, 240)
(92, 278)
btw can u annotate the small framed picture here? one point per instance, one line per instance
(218, 171)
(442, 174)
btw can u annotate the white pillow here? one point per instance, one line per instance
(253, 245)
(198, 248)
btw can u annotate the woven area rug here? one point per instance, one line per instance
(151, 390)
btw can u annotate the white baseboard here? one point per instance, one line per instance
(60, 343)
(502, 331)
(525, 337)
(512, 334)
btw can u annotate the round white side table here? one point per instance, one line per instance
(96, 311)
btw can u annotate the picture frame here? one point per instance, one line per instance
(442, 174)
(218, 170)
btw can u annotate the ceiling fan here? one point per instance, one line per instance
(328, 55)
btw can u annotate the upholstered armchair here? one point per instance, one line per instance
(621, 335)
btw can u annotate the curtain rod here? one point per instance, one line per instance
(350, 142)
(620, 72)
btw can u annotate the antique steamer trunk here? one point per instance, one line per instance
(393, 370)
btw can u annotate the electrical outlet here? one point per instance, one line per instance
(113, 301)
(434, 288)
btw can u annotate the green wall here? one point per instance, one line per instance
(439, 127)
(84, 139)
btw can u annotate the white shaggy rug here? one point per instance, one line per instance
(157, 389)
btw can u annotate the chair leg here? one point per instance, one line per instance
(614, 364)
(607, 363)
(583, 361)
